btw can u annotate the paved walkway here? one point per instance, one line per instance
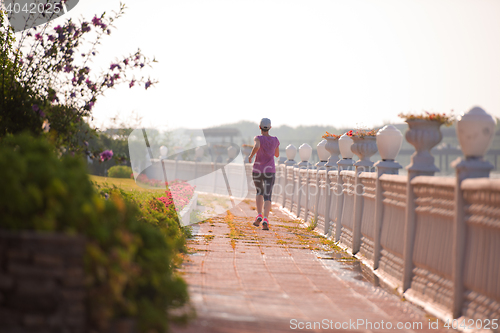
(244, 279)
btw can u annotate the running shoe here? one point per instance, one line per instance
(265, 225)
(258, 219)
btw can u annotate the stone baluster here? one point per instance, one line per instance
(423, 135)
(475, 132)
(323, 154)
(364, 147)
(305, 152)
(291, 151)
(389, 141)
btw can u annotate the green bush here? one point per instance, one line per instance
(120, 171)
(131, 250)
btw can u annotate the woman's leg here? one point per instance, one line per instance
(259, 187)
(268, 191)
(267, 207)
(259, 200)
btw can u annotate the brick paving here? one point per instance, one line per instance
(244, 279)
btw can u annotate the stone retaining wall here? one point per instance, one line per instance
(41, 283)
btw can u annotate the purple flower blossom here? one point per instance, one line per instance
(58, 28)
(106, 155)
(96, 21)
(148, 84)
(85, 27)
(142, 65)
(113, 66)
(38, 36)
(125, 61)
(30, 57)
(116, 76)
(131, 84)
(68, 68)
(52, 38)
(72, 95)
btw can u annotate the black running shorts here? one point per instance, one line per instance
(264, 182)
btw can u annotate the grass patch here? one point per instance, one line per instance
(312, 225)
(124, 184)
(234, 232)
(208, 238)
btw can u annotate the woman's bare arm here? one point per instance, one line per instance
(277, 152)
(256, 147)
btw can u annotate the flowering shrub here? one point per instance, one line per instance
(330, 135)
(179, 193)
(442, 118)
(47, 83)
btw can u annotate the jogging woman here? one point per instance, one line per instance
(266, 147)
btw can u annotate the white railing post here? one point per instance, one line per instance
(423, 135)
(364, 148)
(475, 132)
(323, 155)
(389, 140)
(291, 151)
(305, 152)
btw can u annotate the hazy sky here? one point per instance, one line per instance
(338, 63)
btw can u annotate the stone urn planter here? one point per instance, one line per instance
(332, 146)
(364, 147)
(423, 135)
(475, 132)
